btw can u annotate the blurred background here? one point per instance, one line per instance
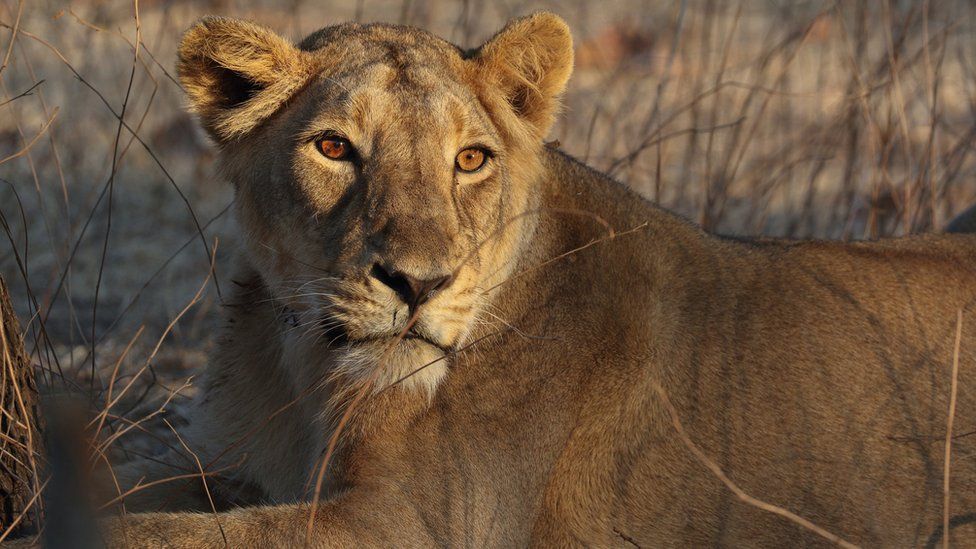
(832, 119)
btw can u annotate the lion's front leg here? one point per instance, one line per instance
(233, 529)
(358, 518)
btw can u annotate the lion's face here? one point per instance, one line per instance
(384, 177)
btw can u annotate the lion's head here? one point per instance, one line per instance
(384, 177)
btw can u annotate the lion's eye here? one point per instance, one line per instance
(471, 159)
(335, 148)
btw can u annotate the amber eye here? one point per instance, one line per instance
(335, 148)
(470, 160)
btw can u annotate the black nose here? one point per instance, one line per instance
(413, 291)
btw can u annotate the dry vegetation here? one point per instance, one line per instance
(801, 119)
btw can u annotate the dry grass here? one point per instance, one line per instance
(801, 119)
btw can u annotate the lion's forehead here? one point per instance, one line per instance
(412, 63)
(373, 102)
(418, 86)
(399, 83)
(380, 37)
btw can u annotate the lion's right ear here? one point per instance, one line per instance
(237, 74)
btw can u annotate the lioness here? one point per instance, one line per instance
(506, 341)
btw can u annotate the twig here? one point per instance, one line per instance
(140, 487)
(203, 479)
(24, 93)
(739, 493)
(28, 146)
(13, 36)
(948, 444)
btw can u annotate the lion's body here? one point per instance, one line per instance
(815, 374)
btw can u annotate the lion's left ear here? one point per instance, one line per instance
(530, 61)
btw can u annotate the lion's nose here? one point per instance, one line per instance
(413, 291)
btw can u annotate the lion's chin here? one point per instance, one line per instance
(413, 364)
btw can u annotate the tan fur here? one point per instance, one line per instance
(815, 374)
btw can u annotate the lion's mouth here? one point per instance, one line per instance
(338, 336)
(414, 335)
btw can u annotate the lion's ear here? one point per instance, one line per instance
(530, 61)
(237, 74)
